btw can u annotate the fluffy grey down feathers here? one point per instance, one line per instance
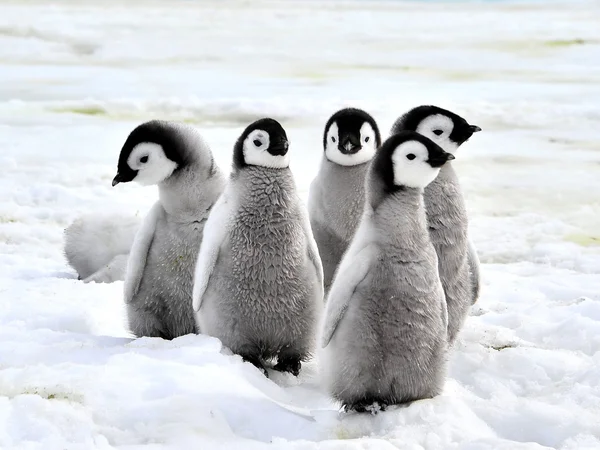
(264, 295)
(388, 337)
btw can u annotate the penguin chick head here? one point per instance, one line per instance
(263, 143)
(443, 127)
(151, 153)
(351, 137)
(408, 159)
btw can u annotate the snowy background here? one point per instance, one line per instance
(76, 77)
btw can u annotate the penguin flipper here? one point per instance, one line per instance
(473, 261)
(313, 252)
(353, 269)
(214, 233)
(139, 252)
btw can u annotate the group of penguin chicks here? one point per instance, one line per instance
(376, 277)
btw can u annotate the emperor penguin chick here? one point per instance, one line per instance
(97, 245)
(384, 337)
(446, 212)
(259, 281)
(337, 194)
(160, 269)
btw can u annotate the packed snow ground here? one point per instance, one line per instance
(76, 77)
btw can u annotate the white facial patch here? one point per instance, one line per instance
(366, 153)
(255, 152)
(410, 164)
(438, 128)
(152, 164)
(368, 141)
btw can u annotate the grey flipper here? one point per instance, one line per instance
(313, 252)
(353, 269)
(139, 252)
(475, 271)
(215, 231)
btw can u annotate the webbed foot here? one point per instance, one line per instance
(368, 405)
(289, 364)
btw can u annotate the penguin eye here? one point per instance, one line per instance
(332, 138)
(437, 132)
(367, 139)
(410, 156)
(257, 142)
(144, 159)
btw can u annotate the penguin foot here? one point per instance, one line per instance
(289, 364)
(370, 406)
(256, 363)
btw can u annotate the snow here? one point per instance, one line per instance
(76, 77)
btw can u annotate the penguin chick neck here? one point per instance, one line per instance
(190, 192)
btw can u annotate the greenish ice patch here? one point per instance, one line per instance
(583, 239)
(342, 433)
(565, 42)
(87, 110)
(502, 347)
(49, 394)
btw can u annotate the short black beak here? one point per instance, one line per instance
(440, 160)
(474, 128)
(279, 148)
(349, 145)
(117, 179)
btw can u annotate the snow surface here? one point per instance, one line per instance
(76, 77)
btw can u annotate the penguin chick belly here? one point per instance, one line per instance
(264, 299)
(336, 208)
(391, 345)
(166, 287)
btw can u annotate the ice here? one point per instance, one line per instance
(76, 77)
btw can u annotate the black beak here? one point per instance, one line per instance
(440, 159)
(474, 128)
(279, 148)
(117, 179)
(349, 145)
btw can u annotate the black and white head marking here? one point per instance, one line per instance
(150, 154)
(408, 159)
(443, 127)
(351, 137)
(263, 143)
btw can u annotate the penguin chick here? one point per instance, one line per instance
(337, 194)
(258, 283)
(446, 212)
(97, 245)
(159, 277)
(384, 334)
